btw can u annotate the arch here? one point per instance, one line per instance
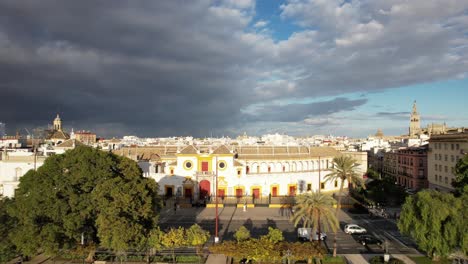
(263, 167)
(294, 166)
(299, 166)
(278, 167)
(271, 165)
(286, 166)
(254, 167)
(204, 187)
(312, 165)
(305, 165)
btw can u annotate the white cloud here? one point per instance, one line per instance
(260, 24)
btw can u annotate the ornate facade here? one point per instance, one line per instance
(254, 171)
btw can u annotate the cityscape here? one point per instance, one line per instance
(234, 131)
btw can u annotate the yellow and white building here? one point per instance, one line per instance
(255, 171)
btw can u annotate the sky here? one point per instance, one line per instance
(225, 67)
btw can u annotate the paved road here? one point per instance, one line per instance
(257, 220)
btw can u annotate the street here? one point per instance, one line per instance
(257, 220)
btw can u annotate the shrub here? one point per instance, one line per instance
(376, 260)
(396, 261)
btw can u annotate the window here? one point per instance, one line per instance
(457, 146)
(452, 158)
(446, 169)
(247, 170)
(322, 185)
(452, 147)
(436, 178)
(18, 174)
(440, 156)
(421, 162)
(435, 156)
(440, 167)
(446, 157)
(309, 187)
(188, 165)
(445, 146)
(446, 180)
(238, 172)
(336, 184)
(435, 165)
(222, 165)
(284, 168)
(269, 169)
(457, 158)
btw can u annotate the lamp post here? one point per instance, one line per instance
(216, 239)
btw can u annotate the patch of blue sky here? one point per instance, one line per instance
(446, 98)
(279, 28)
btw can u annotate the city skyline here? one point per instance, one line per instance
(205, 68)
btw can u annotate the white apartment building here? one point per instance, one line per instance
(444, 152)
(13, 165)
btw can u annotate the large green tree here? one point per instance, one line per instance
(436, 222)
(461, 176)
(344, 169)
(84, 198)
(315, 210)
(7, 248)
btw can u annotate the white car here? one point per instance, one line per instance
(304, 234)
(354, 229)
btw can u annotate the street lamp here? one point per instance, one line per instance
(216, 239)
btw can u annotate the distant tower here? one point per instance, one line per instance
(58, 123)
(415, 125)
(379, 133)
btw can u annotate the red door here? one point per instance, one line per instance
(256, 193)
(204, 166)
(239, 193)
(292, 190)
(188, 192)
(221, 193)
(204, 189)
(274, 191)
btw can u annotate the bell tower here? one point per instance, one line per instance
(58, 123)
(415, 125)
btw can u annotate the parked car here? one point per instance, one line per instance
(303, 234)
(369, 239)
(354, 229)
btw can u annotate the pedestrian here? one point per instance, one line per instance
(175, 208)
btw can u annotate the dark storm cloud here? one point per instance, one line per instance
(160, 68)
(150, 66)
(300, 112)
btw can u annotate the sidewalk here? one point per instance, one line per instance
(364, 259)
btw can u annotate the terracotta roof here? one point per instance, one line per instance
(284, 152)
(238, 164)
(57, 134)
(147, 153)
(222, 150)
(190, 149)
(71, 143)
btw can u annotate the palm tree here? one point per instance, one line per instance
(344, 169)
(315, 209)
